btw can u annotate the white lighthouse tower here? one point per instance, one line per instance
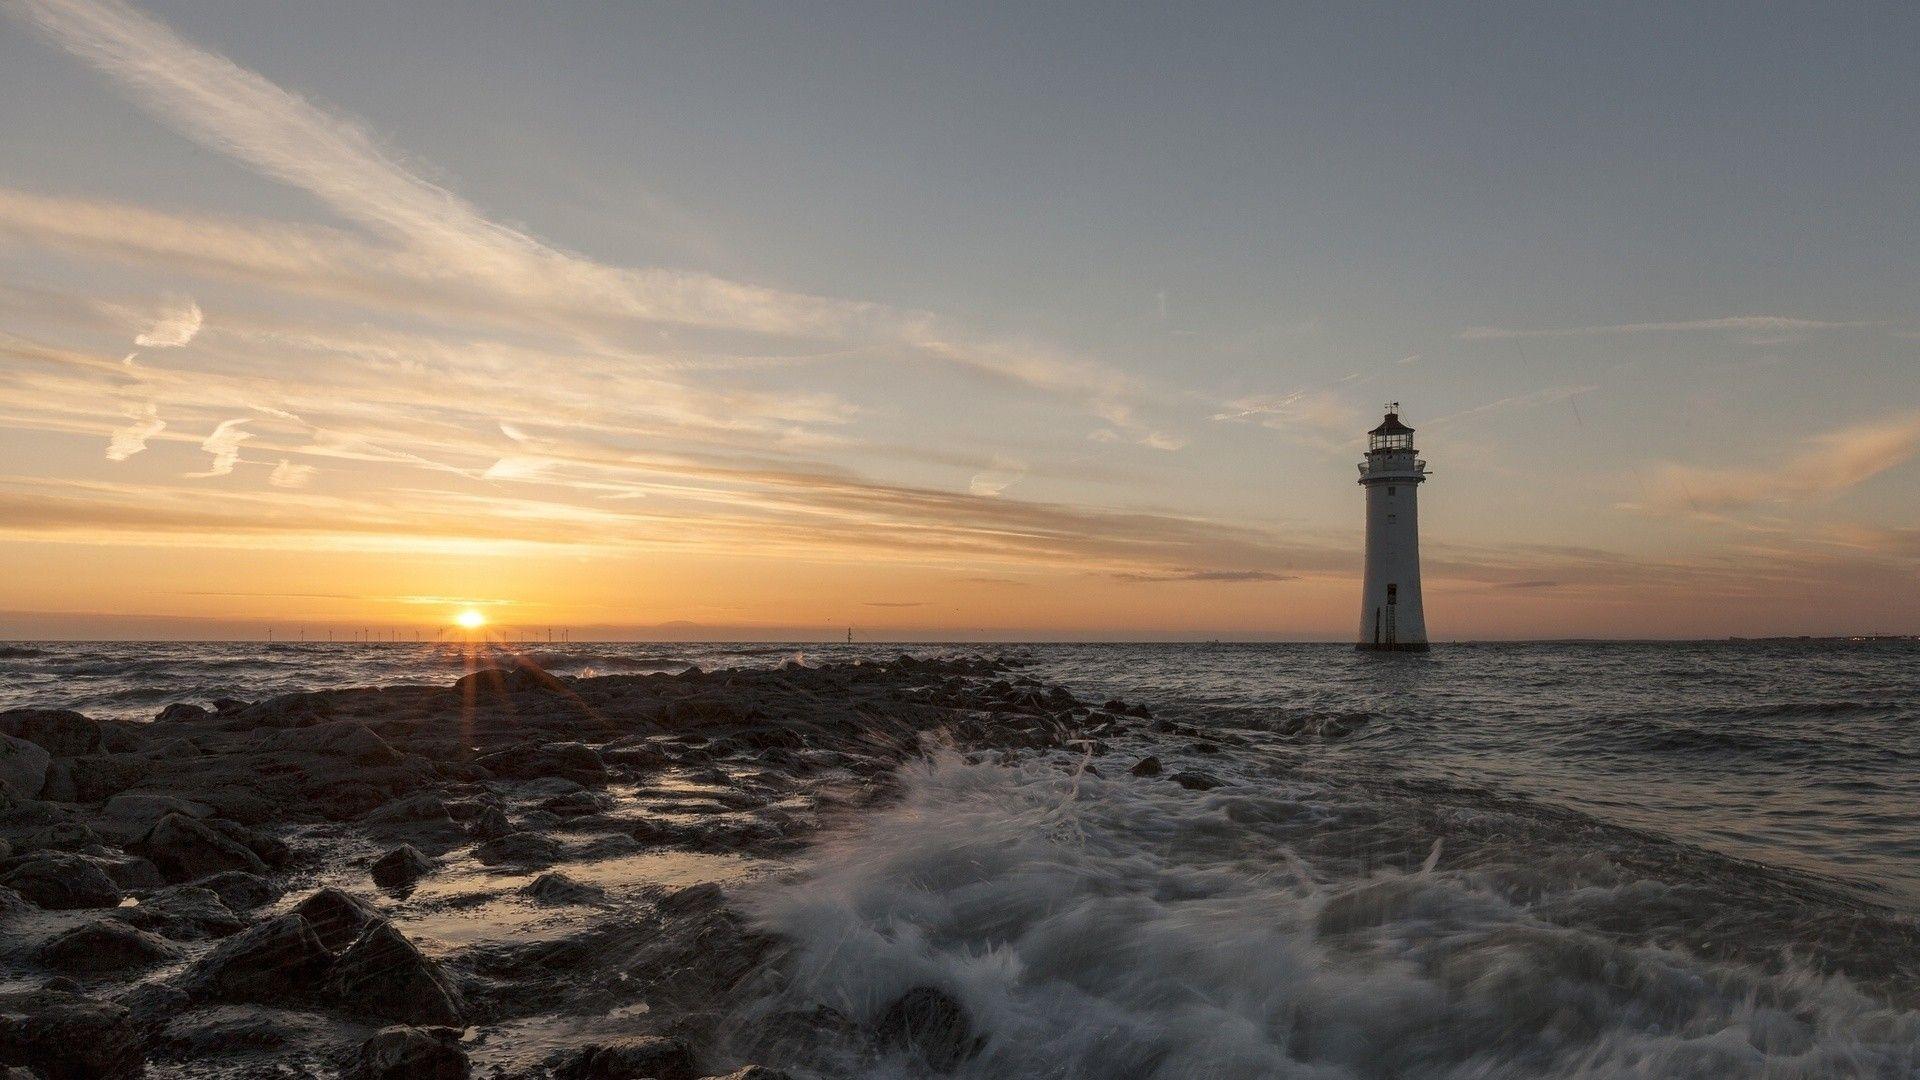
(1391, 618)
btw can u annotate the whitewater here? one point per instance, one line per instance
(1503, 860)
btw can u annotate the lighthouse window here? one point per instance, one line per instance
(1391, 490)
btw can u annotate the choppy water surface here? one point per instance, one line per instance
(1491, 861)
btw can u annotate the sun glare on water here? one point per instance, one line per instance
(470, 620)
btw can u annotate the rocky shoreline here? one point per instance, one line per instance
(519, 875)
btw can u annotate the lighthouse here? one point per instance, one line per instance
(1391, 618)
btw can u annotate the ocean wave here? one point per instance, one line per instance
(1086, 927)
(20, 652)
(563, 661)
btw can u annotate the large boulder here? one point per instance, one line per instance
(23, 767)
(411, 1053)
(183, 913)
(185, 848)
(927, 1021)
(104, 946)
(74, 1038)
(522, 848)
(60, 881)
(385, 975)
(143, 809)
(348, 739)
(400, 868)
(649, 1056)
(574, 761)
(279, 959)
(240, 890)
(337, 916)
(63, 733)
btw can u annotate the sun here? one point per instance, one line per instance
(470, 620)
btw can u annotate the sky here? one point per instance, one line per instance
(954, 321)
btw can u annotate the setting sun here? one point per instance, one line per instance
(470, 620)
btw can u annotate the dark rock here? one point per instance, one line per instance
(578, 803)
(271, 849)
(411, 1053)
(701, 710)
(66, 734)
(1146, 766)
(572, 760)
(78, 1039)
(383, 974)
(928, 1021)
(184, 913)
(651, 1056)
(1206, 748)
(226, 705)
(1194, 780)
(705, 896)
(491, 824)
(401, 867)
(416, 808)
(60, 836)
(278, 959)
(337, 916)
(23, 767)
(227, 1031)
(348, 739)
(61, 881)
(146, 808)
(181, 711)
(104, 946)
(558, 888)
(240, 890)
(153, 1004)
(184, 848)
(525, 848)
(754, 1072)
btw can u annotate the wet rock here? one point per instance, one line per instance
(490, 824)
(60, 836)
(337, 916)
(558, 888)
(185, 848)
(927, 1021)
(183, 913)
(1195, 780)
(278, 959)
(63, 733)
(578, 804)
(344, 739)
(104, 946)
(23, 767)
(80, 1039)
(145, 808)
(413, 809)
(240, 890)
(271, 849)
(12, 903)
(227, 1031)
(652, 1056)
(401, 867)
(383, 974)
(574, 761)
(522, 848)
(754, 1072)
(700, 710)
(181, 711)
(411, 1053)
(152, 1004)
(1146, 766)
(61, 881)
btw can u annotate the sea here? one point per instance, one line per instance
(1596, 859)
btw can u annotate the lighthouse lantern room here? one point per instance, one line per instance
(1391, 616)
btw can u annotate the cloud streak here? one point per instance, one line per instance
(1744, 323)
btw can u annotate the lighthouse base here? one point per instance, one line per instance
(1391, 646)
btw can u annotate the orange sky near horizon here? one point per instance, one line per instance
(725, 344)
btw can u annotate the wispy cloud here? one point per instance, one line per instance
(1204, 575)
(175, 327)
(224, 445)
(1743, 323)
(1822, 465)
(289, 474)
(131, 439)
